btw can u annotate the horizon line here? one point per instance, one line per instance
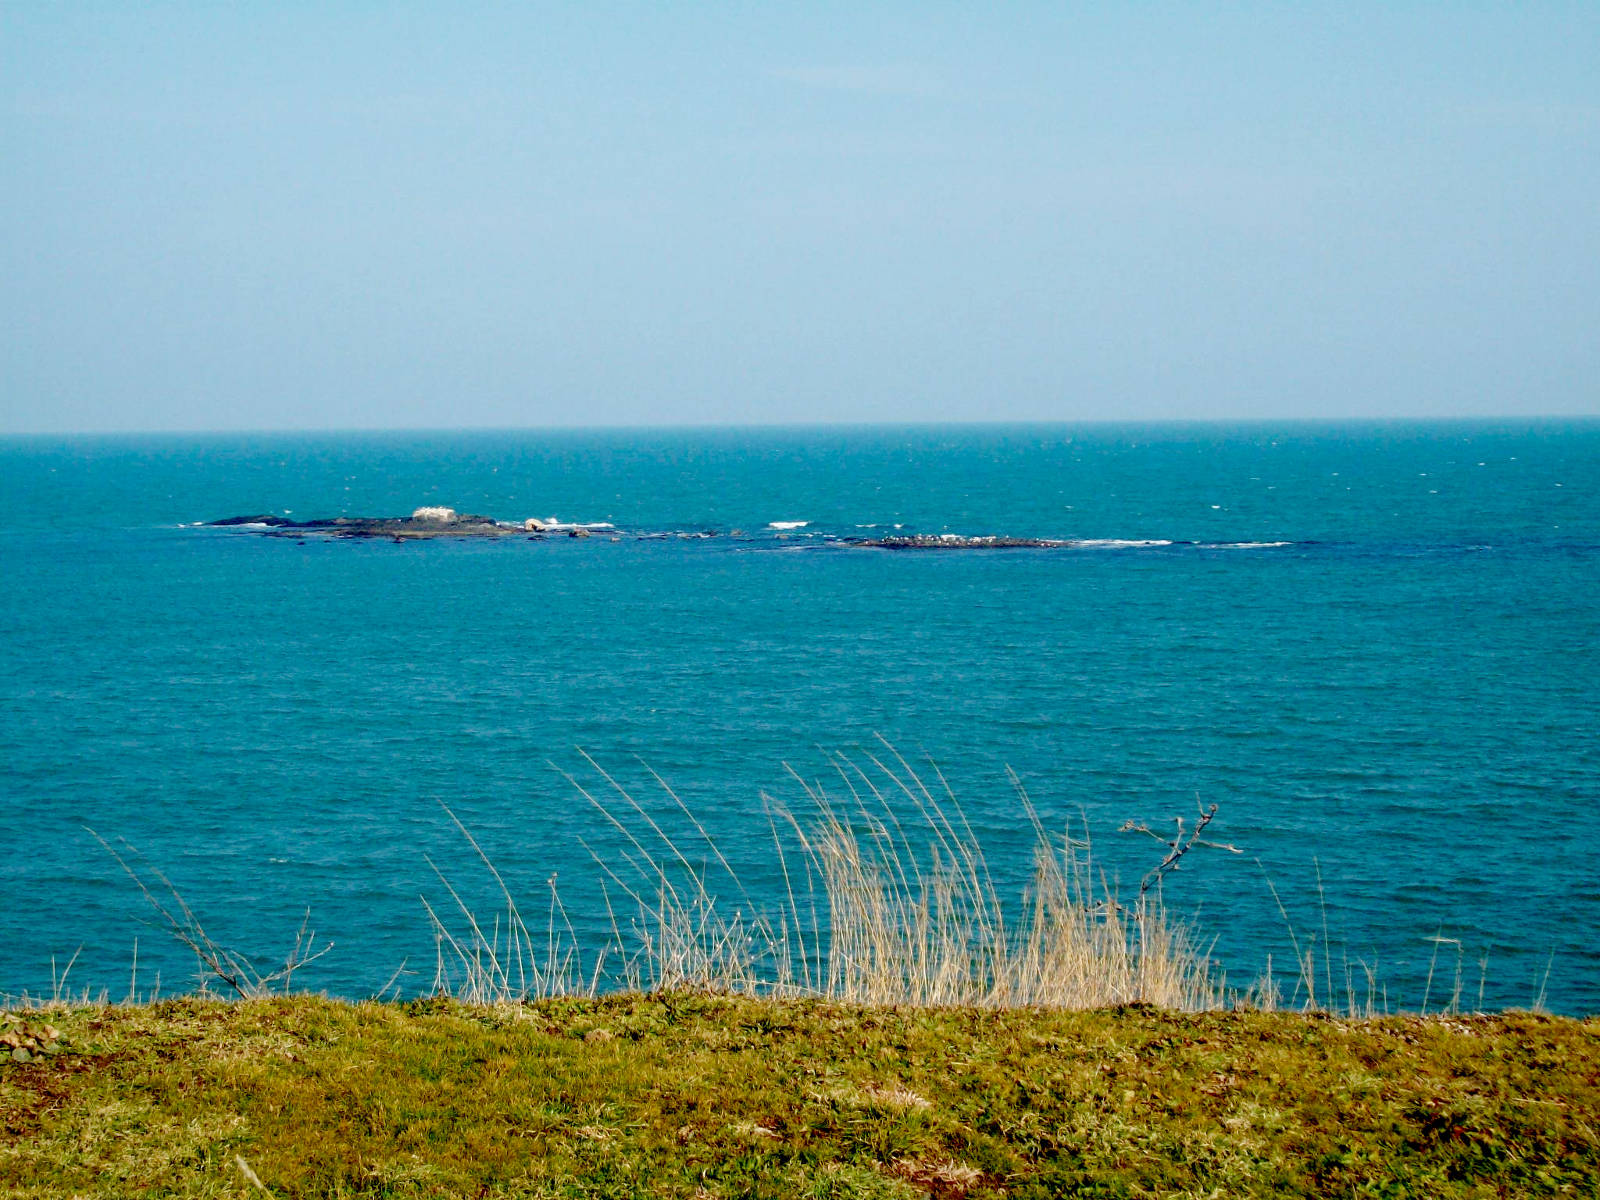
(800, 426)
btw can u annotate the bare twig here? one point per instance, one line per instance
(1177, 846)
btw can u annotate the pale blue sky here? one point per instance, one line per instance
(377, 216)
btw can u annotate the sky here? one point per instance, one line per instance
(368, 216)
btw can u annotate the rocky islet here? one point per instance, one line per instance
(430, 522)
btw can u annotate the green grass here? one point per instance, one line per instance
(891, 1026)
(684, 1094)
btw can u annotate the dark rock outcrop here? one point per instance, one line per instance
(403, 528)
(951, 541)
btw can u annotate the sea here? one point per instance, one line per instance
(1374, 647)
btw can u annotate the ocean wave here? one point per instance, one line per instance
(787, 524)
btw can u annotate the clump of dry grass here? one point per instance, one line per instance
(888, 899)
(506, 963)
(681, 933)
(914, 916)
(1356, 989)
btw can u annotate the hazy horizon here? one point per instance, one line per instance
(345, 219)
(1470, 419)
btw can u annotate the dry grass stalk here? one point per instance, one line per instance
(889, 900)
(503, 964)
(218, 963)
(914, 916)
(682, 934)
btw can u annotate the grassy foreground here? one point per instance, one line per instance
(690, 1095)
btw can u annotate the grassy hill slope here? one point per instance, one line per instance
(689, 1095)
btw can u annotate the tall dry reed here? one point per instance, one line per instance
(888, 899)
(914, 916)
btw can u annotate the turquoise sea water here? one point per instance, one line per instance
(1404, 694)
